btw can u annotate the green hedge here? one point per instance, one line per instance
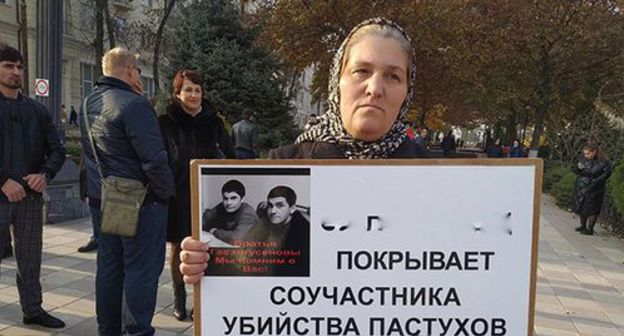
(563, 189)
(552, 174)
(615, 188)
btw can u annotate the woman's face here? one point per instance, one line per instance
(589, 155)
(190, 95)
(373, 86)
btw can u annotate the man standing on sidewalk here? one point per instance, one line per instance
(31, 153)
(128, 144)
(245, 136)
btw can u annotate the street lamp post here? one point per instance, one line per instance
(49, 52)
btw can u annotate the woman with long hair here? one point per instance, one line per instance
(593, 170)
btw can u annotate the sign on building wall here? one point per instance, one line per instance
(42, 87)
(403, 247)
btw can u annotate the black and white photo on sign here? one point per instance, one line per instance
(251, 214)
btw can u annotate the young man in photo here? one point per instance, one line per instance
(230, 220)
(285, 226)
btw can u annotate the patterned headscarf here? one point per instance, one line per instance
(330, 128)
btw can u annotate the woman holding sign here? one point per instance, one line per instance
(370, 92)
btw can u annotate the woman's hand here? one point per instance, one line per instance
(193, 259)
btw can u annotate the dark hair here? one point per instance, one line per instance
(284, 191)
(248, 113)
(10, 54)
(233, 186)
(194, 76)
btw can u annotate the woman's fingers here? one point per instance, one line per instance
(193, 259)
(190, 244)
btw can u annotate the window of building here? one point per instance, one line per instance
(86, 79)
(148, 86)
(86, 16)
(67, 18)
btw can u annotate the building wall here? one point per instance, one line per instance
(77, 34)
(302, 102)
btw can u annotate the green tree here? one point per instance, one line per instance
(516, 64)
(209, 36)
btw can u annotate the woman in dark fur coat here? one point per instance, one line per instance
(191, 130)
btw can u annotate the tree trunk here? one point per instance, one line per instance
(98, 43)
(543, 94)
(109, 25)
(158, 40)
(511, 133)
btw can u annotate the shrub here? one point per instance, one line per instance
(563, 189)
(615, 188)
(74, 150)
(552, 174)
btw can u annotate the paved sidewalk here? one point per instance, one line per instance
(580, 287)
(580, 283)
(68, 281)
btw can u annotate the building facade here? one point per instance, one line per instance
(78, 58)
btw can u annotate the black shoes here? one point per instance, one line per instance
(45, 320)
(586, 232)
(179, 302)
(92, 245)
(580, 228)
(8, 253)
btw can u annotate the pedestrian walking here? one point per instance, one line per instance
(73, 116)
(421, 137)
(495, 150)
(448, 144)
(516, 150)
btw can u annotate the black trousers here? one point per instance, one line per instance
(27, 219)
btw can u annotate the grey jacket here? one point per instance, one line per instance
(245, 135)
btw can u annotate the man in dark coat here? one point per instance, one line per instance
(129, 144)
(448, 144)
(245, 136)
(232, 218)
(31, 153)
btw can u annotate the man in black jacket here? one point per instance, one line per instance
(31, 153)
(129, 145)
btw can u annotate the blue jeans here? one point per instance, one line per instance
(127, 274)
(96, 221)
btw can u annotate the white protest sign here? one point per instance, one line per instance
(421, 247)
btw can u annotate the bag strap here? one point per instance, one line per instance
(88, 127)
